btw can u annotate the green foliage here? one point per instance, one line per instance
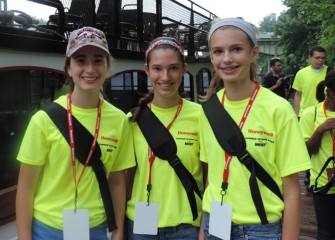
(40, 21)
(307, 23)
(268, 24)
(297, 34)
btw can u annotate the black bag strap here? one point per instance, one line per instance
(163, 146)
(83, 139)
(231, 139)
(324, 190)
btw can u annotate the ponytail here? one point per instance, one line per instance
(143, 102)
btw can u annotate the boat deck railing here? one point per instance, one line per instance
(128, 24)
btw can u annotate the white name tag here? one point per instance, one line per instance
(76, 224)
(220, 220)
(146, 218)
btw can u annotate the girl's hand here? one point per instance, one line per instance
(201, 235)
(327, 125)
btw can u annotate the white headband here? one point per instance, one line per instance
(236, 22)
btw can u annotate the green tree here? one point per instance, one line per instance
(297, 35)
(40, 21)
(307, 23)
(268, 23)
(323, 11)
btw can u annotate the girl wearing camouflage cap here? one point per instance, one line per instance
(58, 194)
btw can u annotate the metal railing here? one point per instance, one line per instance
(132, 24)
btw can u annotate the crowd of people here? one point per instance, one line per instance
(224, 168)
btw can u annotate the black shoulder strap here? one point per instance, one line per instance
(83, 140)
(161, 143)
(226, 131)
(231, 139)
(324, 190)
(163, 146)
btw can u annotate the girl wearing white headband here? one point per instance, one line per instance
(273, 139)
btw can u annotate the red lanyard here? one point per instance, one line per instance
(228, 157)
(152, 156)
(72, 145)
(331, 130)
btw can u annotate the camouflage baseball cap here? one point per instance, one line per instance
(86, 36)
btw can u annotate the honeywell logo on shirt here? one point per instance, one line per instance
(260, 132)
(188, 133)
(109, 139)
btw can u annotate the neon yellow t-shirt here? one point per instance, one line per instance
(167, 190)
(273, 138)
(310, 120)
(306, 82)
(44, 145)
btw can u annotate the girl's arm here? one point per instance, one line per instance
(117, 184)
(28, 179)
(130, 175)
(201, 235)
(296, 102)
(291, 217)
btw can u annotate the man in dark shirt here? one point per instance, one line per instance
(274, 80)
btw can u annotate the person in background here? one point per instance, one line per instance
(275, 80)
(317, 124)
(55, 191)
(308, 78)
(153, 180)
(305, 83)
(295, 68)
(273, 139)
